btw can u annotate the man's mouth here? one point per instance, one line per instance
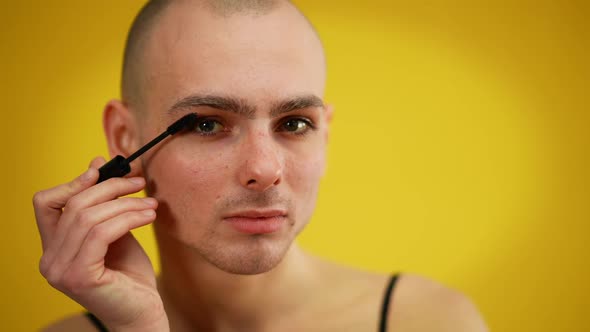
(257, 221)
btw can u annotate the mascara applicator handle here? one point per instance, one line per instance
(116, 167)
(119, 166)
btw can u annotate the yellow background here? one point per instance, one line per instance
(459, 146)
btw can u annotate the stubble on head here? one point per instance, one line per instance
(134, 88)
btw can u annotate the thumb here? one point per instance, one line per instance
(97, 162)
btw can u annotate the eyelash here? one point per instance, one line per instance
(308, 123)
(310, 126)
(206, 119)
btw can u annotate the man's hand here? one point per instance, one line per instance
(90, 255)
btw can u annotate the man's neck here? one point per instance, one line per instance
(200, 296)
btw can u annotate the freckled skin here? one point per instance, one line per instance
(201, 190)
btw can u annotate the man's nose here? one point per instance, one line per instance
(263, 166)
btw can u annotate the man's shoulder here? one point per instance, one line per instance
(74, 323)
(424, 304)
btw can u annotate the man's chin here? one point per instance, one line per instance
(255, 257)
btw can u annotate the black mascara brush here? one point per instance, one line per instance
(119, 166)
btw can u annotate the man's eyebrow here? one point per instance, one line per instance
(241, 107)
(223, 103)
(295, 103)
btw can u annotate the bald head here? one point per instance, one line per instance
(142, 25)
(133, 82)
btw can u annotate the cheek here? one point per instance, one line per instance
(304, 174)
(186, 181)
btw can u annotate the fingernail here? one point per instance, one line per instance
(148, 213)
(136, 180)
(149, 201)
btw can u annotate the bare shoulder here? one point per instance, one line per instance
(74, 323)
(421, 304)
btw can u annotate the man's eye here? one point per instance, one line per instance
(208, 127)
(295, 126)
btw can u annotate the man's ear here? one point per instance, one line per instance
(328, 114)
(121, 132)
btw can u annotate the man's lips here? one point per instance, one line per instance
(257, 221)
(255, 214)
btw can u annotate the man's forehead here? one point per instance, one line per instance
(169, 39)
(193, 52)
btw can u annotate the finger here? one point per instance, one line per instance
(74, 209)
(91, 257)
(90, 218)
(48, 203)
(97, 162)
(104, 191)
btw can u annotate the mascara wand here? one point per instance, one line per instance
(119, 166)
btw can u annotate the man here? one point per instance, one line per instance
(227, 198)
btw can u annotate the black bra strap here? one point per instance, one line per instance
(96, 322)
(386, 303)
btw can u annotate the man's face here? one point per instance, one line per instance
(243, 184)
